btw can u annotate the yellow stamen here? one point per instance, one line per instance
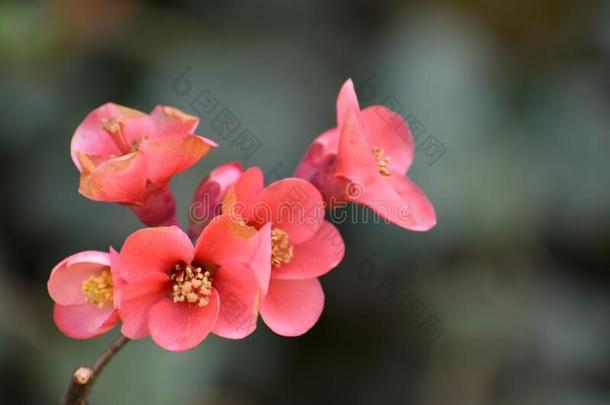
(191, 284)
(281, 250)
(97, 289)
(382, 161)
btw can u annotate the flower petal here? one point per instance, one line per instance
(67, 277)
(121, 179)
(171, 155)
(225, 241)
(261, 263)
(314, 257)
(239, 295)
(118, 283)
(241, 197)
(84, 321)
(355, 159)
(136, 300)
(389, 131)
(170, 120)
(346, 101)
(292, 307)
(399, 200)
(182, 326)
(293, 205)
(154, 250)
(423, 211)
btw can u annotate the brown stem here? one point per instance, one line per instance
(84, 377)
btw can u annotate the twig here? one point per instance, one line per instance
(84, 377)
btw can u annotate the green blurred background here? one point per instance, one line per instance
(506, 301)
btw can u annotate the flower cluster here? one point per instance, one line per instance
(249, 248)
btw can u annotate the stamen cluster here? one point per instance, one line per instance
(191, 284)
(97, 289)
(281, 249)
(382, 161)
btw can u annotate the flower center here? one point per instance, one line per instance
(97, 289)
(114, 127)
(382, 161)
(281, 250)
(191, 284)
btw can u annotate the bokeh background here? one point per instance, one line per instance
(506, 301)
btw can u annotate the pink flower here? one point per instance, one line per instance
(207, 201)
(126, 156)
(178, 294)
(84, 290)
(303, 246)
(364, 159)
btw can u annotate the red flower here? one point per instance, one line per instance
(84, 290)
(178, 294)
(364, 159)
(303, 246)
(126, 156)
